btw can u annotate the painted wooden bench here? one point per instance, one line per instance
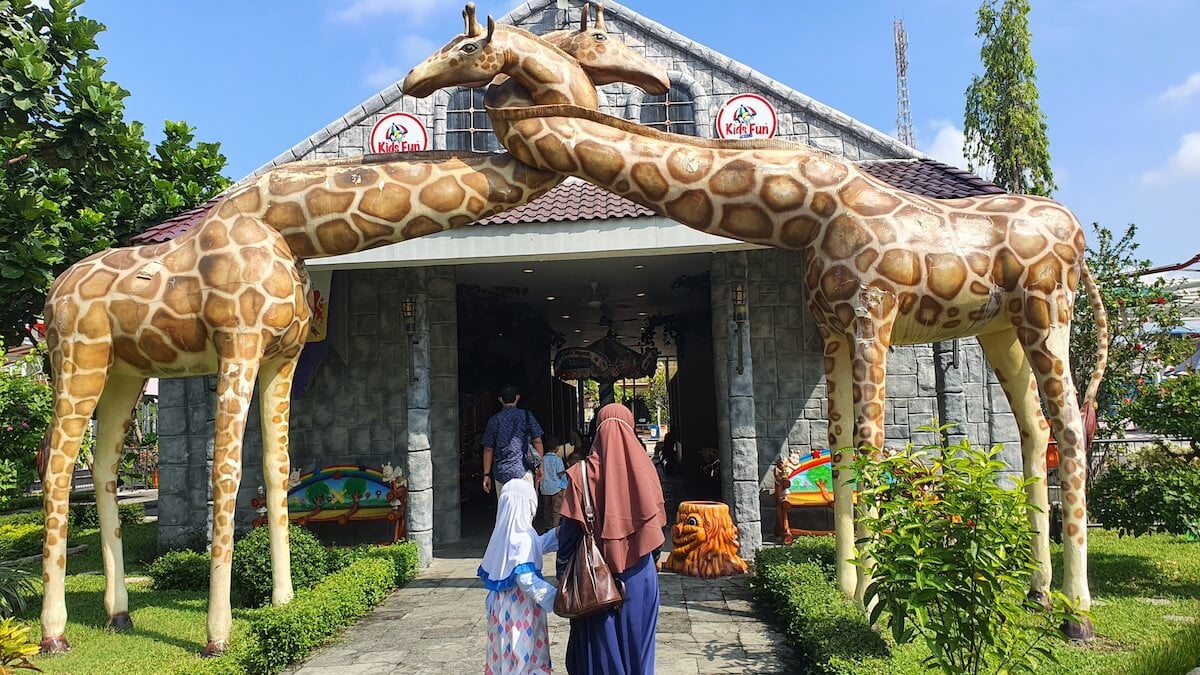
(802, 480)
(344, 493)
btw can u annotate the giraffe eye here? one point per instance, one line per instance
(470, 47)
(601, 37)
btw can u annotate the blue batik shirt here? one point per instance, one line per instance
(506, 433)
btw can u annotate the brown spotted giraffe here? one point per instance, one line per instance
(228, 297)
(883, 267)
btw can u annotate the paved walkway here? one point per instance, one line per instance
(436, 625)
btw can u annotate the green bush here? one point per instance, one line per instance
(278, 636)
(22, 501)
(1171, 408)
(953, 558)
(85, 516)
(180, 571)
(35, 517)
(20, 540)
(252, 564)
(26, 405)
(1161, 493)
(827, 631)
(820, 551)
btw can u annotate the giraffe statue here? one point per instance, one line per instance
(229, 297)
(883, 267)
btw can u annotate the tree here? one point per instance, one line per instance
(1141, 314)
(75, 177)
(1171, 408)
(1004, 127)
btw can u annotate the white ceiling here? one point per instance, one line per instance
(619, 283)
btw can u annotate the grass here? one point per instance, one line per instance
(1134, 636)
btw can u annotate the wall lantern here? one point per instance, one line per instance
(409, 309)
(739, 318)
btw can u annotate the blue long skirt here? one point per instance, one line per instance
(619, 642)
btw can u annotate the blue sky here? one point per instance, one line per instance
(1119, 80)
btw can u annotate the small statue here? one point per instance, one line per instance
(294, 478)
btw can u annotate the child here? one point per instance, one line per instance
(519, 598)
(553, 484)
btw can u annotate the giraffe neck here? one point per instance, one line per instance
(549, 74)
(769, 192)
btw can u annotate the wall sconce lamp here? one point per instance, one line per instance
(739, 318)
(409, 309)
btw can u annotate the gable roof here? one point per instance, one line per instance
(575, 200)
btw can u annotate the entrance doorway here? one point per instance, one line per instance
(514, 317)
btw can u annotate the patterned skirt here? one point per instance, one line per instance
(518, 642)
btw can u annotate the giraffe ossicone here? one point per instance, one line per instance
(882, 266)
(229, 297)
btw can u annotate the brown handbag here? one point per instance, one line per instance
(588, 587)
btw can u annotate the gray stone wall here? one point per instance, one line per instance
(360, 407)
(710, 77)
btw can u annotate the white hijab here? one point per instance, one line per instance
(515, 547)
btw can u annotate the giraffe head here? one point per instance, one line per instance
(469, 60)
(607, 61)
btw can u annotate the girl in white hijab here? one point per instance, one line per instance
(519, 598)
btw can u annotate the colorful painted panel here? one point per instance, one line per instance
(817, 468)
(334, 491)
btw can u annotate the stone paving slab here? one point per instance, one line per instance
(436, 625)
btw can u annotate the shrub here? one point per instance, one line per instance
(1171, 408)
(14, 502)
(26, 406)
(252, 564)
(278, 636)
(15, 646)
(180, 571)
(953, 557)
(20, 540)
(85, 516)
(1161, 493)
(829, 633)
(820, 551)
(17, 585)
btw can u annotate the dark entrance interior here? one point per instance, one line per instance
(514, 317)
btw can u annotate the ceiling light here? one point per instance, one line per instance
(528, 270)
(641, 314)
(550, 297)
(566, 316)
(578, 331)
(641, 295)
(638, 267)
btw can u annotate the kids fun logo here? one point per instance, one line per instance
(399, 132)
(746, 116)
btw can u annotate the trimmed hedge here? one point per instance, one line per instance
(828, 632)
(20, 539)
(252, 581)
(180, 571)
(278, 636)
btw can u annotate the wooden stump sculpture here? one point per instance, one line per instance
(704, 542)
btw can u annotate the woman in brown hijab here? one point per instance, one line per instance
(627, 499)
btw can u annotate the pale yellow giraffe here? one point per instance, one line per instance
(883, 267)
(229, 297)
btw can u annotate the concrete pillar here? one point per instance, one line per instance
(419, 458)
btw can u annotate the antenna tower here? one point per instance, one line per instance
(904, 125)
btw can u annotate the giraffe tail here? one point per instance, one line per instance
(1097, 303)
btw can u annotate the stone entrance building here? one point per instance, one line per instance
(374, 392)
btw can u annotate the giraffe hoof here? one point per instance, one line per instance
(1079, 629)
(1039, 599)
(55, 645)
(120, 622)
(213, 649)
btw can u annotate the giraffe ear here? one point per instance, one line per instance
(491, 29)
(600, 17)
(583, 17)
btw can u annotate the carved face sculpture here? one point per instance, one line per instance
(467, 60)
(704, 542)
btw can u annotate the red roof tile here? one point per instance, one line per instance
(575, 200)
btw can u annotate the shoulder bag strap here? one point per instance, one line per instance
(588, 514)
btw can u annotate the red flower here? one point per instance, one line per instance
(1160, 300)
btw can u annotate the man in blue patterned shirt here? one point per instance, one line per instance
(504, 441)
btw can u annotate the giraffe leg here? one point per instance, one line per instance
(80, 373)
(1020, 387)
(274, 397)
(869, 367)
(1048, 352)
(113, 416)
(235, 386)
(841, 430)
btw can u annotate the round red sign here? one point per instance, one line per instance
(399, 132)
(746, 116)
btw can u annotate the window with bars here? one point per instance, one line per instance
(467, 123)
(674, 113)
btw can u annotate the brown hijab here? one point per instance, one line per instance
(625, 492)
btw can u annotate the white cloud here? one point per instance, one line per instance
(354, 11)
(1183, 164)
(410, 50)
(1183, 91)
(947, 144)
